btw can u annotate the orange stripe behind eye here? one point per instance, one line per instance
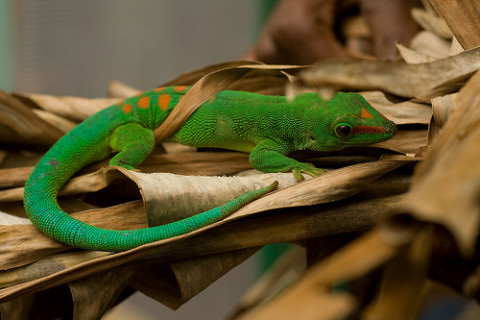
(164, 101)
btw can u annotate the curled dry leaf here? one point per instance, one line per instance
(261, 80)
(192, 275)
(169, 197)
(442, 107)
(412, 57)
(95, 294)
(430, 45)
(462, 19)
(423, 81)
(428, 20)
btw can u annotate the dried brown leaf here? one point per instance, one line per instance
(406, 141)
(23, 125)
(462, 19)
(8, 219)
(412, 57)
(283, 227)
(62, 124)
(195, 274)
(331, 186)
(93, 295)
(24, 244)
(442, 107)
(423, 81)
(14, 177)
(87, 183)
(46, 267)
(446, 184)
(184, 196)
(430, 45)
(428, 20)
(287, 268)
(354, 260)
(119, 90)
(197, 163)
(18, 309)
(399, 299)
(73, 108)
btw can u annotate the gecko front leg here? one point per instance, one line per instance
(133, 142)
(271, 156)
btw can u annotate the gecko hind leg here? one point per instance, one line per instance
(133, 142)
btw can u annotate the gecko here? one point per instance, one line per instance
(268, 127)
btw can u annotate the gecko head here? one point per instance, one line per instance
(346, 120)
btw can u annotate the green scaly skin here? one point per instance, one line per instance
(268, 127)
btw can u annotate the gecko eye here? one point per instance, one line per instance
(343, 130)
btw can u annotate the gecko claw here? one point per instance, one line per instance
(309, 169)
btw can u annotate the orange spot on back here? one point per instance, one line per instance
(211, 99)
(180, 88)
(164, 101)
(366, 114)
(143, 102)
(159, 89)
(127, 108)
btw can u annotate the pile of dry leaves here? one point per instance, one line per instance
(379, 227)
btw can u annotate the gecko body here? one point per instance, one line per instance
(268, 127)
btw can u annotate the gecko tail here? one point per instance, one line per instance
(49, 218)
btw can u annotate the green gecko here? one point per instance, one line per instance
(268, 127)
